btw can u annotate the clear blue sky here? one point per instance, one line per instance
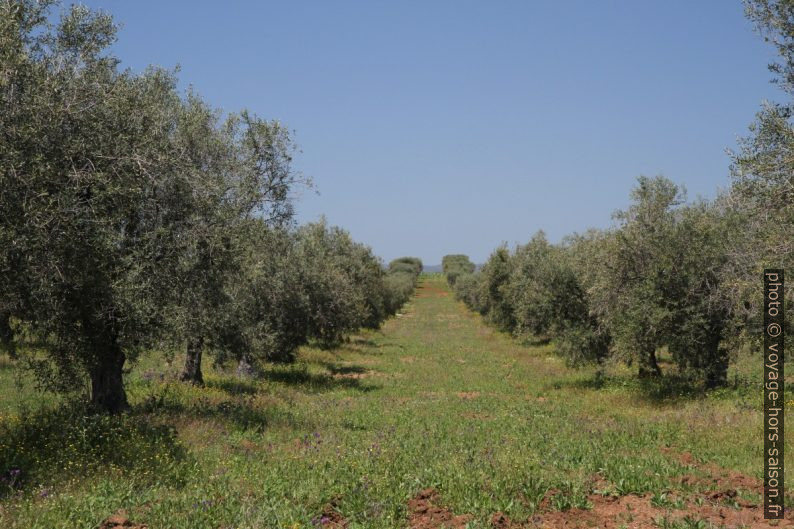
(434, 127)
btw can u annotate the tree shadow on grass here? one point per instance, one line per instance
(366, 346)
(336, 369)
(52, 445)
(671, 388)
(358, 340)
(246, 404)
(534, 341)
(240, 413)
(301, 378)
(380, 349)
(233, 386)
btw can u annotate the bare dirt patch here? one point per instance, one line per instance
(429, 289)
(500, 521)
(120, 520)
(248, 446)
(468, 395)
(330, 517)
(722, 480)
(425, 512)
(720, 506)
(477, 416)
(633, 511)
(638, 512)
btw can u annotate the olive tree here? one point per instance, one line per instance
(638, 273)
(340, 281)
(398, 287)
(411, 265)
(531, 289)
(495, 277)
(400, 282)
(266, 315)
(762, 190)
(455, 265)
(119, 199)
(243, 170)
(469, 289)
(580, 335)
(702, 305)
(659, 282)
(94, 189)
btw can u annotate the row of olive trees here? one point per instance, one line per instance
(655, 280)
(456, 265)
(296, 286)
(401, 279)
(670, 274)
(134, 217)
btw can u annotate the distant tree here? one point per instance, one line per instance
(455, 265)
(266, 316)
(659, 282)
(407, 264)
(340, 279)
(638, 271)
(531, 287)
(398, 287)
(541, 290)
(470, 289)
(400, 282)
(496, 275)
(369, 276)
(702, 305)
(581, 337)
(244, 170)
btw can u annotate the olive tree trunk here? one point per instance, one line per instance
(245, 367)
(107, 384)
(648, 366)
(6, 334)
(716, 361)
(192, 372)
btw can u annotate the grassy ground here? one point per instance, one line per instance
(435, 399)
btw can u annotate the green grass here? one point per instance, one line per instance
(435, 399)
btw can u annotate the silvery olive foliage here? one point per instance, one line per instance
(400, 282)
(652, 281)
(94, 187)
(135, 216)
(670, 274)
(456, 265)
(313, 284)
(762, 190)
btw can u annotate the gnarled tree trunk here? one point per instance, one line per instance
(6, 334)
(716, 360)
(192, 372)
(648, 366)
(107, 384)
(245, 367)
